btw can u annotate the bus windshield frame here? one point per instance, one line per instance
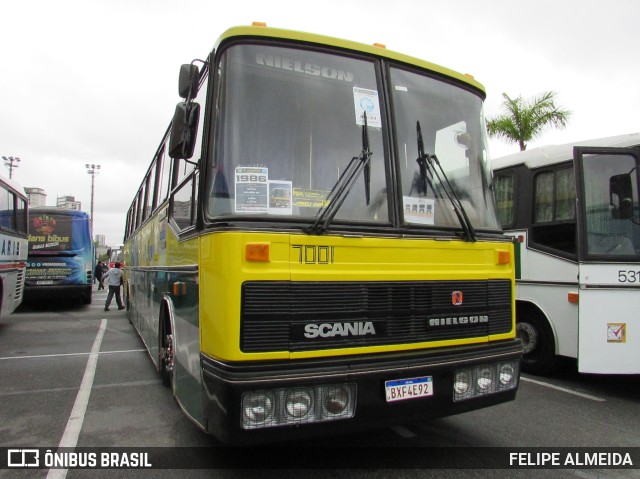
(261, 175)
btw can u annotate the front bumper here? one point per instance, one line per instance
(225, 384)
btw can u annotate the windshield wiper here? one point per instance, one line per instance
(345, 182)
(431, 163)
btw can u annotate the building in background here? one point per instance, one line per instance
(69, 202)
(100, 240)
(37, 196)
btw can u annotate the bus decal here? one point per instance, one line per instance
(329, 330)
(311, 254)
(287, 64)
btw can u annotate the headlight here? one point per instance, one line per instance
(298, 403)
(258, 407)
(462, 382)
(336, 400)
(485, 379)
(507, 374)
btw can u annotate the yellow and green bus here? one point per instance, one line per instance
(315, 246)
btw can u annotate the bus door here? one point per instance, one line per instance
(609, 252)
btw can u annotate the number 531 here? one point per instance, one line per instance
(628, 276)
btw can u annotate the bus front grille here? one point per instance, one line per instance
(304, 316)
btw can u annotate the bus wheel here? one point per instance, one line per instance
(86, 298)
(166, 358)
(128, 304)
(537, 342)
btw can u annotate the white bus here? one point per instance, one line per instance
(574, 212)
(13, 244)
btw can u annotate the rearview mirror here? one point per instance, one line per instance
(621, 197)
(184, 130)
(188, 81)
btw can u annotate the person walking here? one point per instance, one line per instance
(105, 268)
(98, 273)
(113, 277)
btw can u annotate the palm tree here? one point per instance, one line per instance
(525, 121)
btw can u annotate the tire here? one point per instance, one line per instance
(86, 298)
(165, 351)
(127, 303)
(537, 339)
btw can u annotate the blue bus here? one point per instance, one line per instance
(60, 260)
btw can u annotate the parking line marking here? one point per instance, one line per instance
(60, 355)
(96, 387)
(402, 431)
(74, 424)
(569, 391)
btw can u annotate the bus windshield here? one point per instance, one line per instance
(453, 130)
(611, 202)
(290, 121)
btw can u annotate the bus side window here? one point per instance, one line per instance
(554, 220)
(543, 198)
(183, 203)
(7, 217)
(504, 187)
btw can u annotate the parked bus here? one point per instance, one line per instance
(375, 287)
(574, 211)
(61, 254)
(13, 244)
(116, 255)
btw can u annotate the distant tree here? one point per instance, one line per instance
(524, 121)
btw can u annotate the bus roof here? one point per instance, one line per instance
(14, 185)
(263, 31)
(551, 154)
(57, 210)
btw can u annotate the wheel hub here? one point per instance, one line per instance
(527, 335)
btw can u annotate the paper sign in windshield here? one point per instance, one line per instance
(419, 210)
(252, 189)
(280, 198)
(366, 101)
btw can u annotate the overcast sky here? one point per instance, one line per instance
(95, 81)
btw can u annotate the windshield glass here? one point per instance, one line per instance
(289, 121)
(611, 204)
(117, 256)
(452, 128)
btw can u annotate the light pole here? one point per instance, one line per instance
(93, 170)
(11, 162)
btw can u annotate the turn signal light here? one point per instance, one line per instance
(257, 252)
(504, 257)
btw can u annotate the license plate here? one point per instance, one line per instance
(45, 282)
(413, 388)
